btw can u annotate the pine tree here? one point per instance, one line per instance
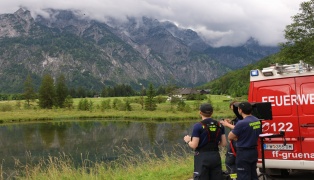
(47, 92)
(150, 102)
(29, 93)
(104, 92)
(61, 91)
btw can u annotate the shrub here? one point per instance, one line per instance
(68, 102)
(105, 104)
(85, 105)
(116, 103)
(181, 105)
(6, 107)
(161, 99)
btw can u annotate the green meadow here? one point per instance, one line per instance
(15, 111)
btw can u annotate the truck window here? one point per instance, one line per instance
(280, 97)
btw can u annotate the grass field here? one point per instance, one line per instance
(14, 111)
(175, 166)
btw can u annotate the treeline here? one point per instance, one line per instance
(55, 93)
(120, 90)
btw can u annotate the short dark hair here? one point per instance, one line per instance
(231, 103)
(206, 109)
(246, 107)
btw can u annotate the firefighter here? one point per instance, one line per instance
(231, 148)
(246, 133)
(206, 136)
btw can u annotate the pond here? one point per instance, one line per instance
(97, 140)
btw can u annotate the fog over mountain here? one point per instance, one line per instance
(219, 23)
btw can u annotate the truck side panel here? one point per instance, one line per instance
(305, 87)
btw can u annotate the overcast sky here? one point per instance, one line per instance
(222, 22)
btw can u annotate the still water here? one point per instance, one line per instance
(98, 140)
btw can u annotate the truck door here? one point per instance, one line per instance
(305, 89)
(282, 95)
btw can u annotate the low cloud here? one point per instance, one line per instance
(221, 23)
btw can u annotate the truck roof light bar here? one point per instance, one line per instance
(300, 67)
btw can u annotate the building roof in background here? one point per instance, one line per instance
(186, 91)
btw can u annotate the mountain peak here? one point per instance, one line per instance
(252, 41)
(24, 14)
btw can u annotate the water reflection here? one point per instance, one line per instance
(93, 140)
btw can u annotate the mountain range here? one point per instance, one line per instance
(93, 54)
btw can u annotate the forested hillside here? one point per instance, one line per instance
(236, 83)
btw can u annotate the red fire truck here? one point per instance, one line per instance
(290, 90)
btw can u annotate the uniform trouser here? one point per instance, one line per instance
(246, 164)
(230, 163)
(207, 166)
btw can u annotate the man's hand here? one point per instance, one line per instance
(227, 123)
(187, 138)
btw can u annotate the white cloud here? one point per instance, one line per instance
(223, 22)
